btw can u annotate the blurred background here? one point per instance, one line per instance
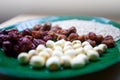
(103, 8)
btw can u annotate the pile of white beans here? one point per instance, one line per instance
(55, 55)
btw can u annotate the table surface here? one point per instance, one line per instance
(111, 73)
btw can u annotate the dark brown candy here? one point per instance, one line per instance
(72, 36)
(36, 34)
(25, 44)
(36, 42)
(109, 42)
(37, 27)
(59, 37)
(92, 36)
(46, 26)
(92, 43)
(47, 37)
(99, 39)
(81, 38)
(72, 30)
(26, 32)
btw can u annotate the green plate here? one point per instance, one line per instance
(10, 66)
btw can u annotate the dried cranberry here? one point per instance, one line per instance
(36, 42)
(73, 36)
(72, 30)
(92, 36)
(46, 38)
(36, 34)
(37, 27)
(25, 44)
(46, 26)
(26, 32)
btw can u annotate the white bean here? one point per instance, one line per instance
(53, 63)
(23, 58)
(37, 62)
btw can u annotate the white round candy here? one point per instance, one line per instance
(75, 46)
(77, 62)
(79, 51)
(59, 43)
(76, 42)
(85, 43)
(23, 58)
(50, 44)
(98, 49)
(65, 61)
(57, 53)
(49, 50)
(44, 54)
(53, 63)
(32, 53)
(37, 62)
(70, 52)
(40, 48)
(92, 54)
(85, 57)
(59, 48)
(68, 43)
(67, 48)
(87, 47)
(103, 47)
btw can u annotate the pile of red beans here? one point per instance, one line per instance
(13, 42)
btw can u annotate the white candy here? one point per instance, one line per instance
(75, 46)
(79, 51)
(70, 52)
(67, 48)
(40, 48)
(32, 53)
(76, 42)
(37, 62)
(87, 47)
(103, 47)
(50, 44)
(85, 58)
(59, 43)
(57, 53)
(98, 49)
(23, 58)
(44, 54)
(92, 55)
(85, 43)
(53, 63)
(77, 62)
(58, 48)
(49, 50)
(65, 61)
(68, 43)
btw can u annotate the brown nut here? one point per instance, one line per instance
(99, 39)
(61, 37)
(81, 38)
(46, 26)
(92, 36)
(37, 27)
(92, 43)
(72, 36)
(108, 37)
(72, 30)
(110, 43)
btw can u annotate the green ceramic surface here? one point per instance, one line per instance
(10, 66)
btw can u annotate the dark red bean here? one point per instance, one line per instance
(26, 32)
(46, 38)
(92, 36)
(37, 27)
(46, 26)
